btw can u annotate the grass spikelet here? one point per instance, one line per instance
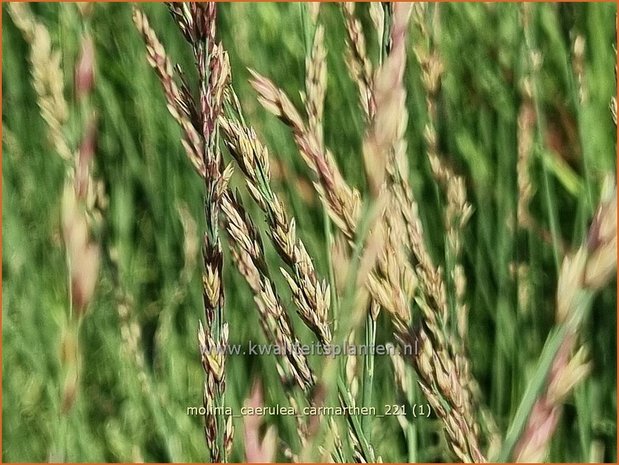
(311, 295)
(589, 269)
(316, 84)
(47, 77)
(249, 254)
(343, 203)
(357, 61)
(178, 102)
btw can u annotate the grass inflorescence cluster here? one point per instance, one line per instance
(185, 177)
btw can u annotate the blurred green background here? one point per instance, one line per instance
(152, 189)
